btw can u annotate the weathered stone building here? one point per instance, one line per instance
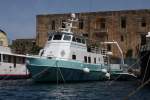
(127, 27)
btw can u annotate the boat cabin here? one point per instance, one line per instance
(67, 46)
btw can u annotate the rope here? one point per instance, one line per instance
(143, 83)
(133, 92)
(58, 69)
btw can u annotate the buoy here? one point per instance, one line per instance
(104, 70)
(107, 75)
(86, 70)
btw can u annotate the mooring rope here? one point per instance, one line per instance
(137, 89)
(58, 69)
(143, 83)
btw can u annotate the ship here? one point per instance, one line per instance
(66, 57)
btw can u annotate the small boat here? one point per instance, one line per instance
(12, 66)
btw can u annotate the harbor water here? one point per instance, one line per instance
(103, 90)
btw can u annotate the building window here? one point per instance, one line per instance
(81, 24)
(122, 38)
(143, 22)
(108, 47)
(74, 57)
(123, 22)
(95, 60)
(85, 59)
(89, 59)
(63, 25)
(102, 23)
(53, 25)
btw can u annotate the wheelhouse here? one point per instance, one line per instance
(60, 36)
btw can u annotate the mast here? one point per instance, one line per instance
(69, 24)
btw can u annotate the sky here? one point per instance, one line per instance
(18, 17)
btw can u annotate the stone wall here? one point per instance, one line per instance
(125, 27)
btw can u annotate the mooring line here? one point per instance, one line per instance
(137, 89)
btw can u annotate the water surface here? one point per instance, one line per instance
(103, 90)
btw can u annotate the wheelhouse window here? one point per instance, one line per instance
(74, 57)
(74, 39)
(83, 41)
(67, 37)
(49, 38)
(5, 58)
(78, 40)
(20, 60)
(85, 59)
(89, 59)
(57, 37)
(95, 60)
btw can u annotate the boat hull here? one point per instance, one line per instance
(13, 77)
(145, 65)
(43, 70)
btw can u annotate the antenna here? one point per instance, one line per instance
(69, 24)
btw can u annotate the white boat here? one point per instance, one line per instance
(65, 57)
(12, 66)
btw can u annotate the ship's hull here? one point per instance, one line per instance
(48, 70)
(145, 65)
(13, 77)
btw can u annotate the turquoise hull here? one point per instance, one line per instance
(52, 70)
